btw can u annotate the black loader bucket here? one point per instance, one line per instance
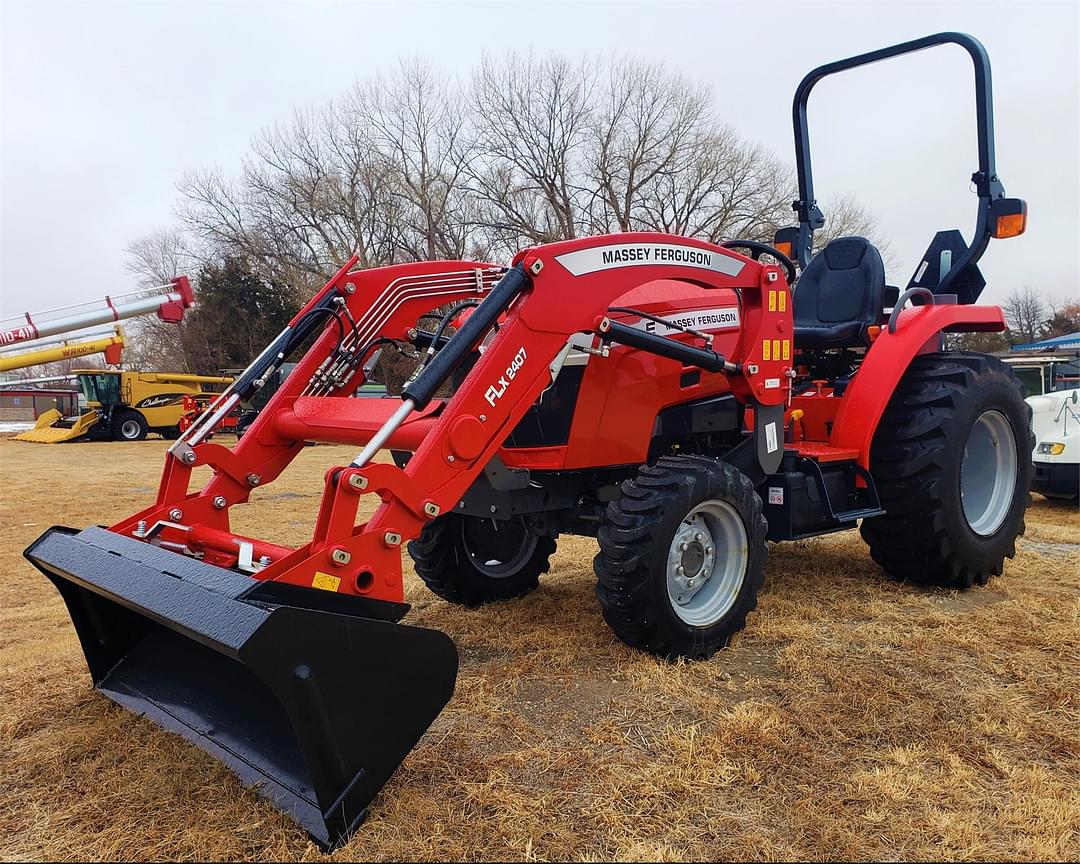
(311, 697)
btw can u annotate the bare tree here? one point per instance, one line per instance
(414, 165)
(157, 257)
(415, 120)
(532, 121)
(1025, 313)
(311, 195)
(154, 259)
(648, 126)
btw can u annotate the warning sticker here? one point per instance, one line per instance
(325, 581)
(770, 437)
(776, 494)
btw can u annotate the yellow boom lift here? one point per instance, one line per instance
(109, 344)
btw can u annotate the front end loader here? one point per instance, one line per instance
(681, 401)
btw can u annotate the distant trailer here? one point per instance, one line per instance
(28, 404)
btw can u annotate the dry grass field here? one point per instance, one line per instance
(855, 718)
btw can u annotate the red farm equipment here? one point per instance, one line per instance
(680, 401)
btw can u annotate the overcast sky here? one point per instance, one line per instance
(104, 105)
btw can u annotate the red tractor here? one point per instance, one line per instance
(682, 402)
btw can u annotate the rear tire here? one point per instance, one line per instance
(952, 461)
(464, 559)
(129, 425)
(682, 557)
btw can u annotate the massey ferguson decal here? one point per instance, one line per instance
(495, 391)
(643, 254)
(695, 319)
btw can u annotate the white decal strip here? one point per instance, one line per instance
(648, 254)
(693, 319)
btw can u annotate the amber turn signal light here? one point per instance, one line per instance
(1012, 225)
(1008, 217)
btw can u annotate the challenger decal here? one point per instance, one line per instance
(644, 254)
(162, 399)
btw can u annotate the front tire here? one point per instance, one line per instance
(129, 426)
(472, 561)
(682, 557)
(952, 461)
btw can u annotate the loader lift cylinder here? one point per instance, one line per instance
(418, 392)
(307, 321)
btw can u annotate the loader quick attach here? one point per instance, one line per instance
(673, 398)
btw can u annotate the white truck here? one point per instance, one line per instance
(1055, 420)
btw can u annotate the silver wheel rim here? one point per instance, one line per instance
(129, 429)
(706, 563)
(493, 564)
(988, 473)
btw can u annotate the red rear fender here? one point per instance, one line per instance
(887, 360)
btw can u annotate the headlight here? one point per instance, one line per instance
(1051, 448)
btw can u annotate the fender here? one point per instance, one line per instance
(887, 360)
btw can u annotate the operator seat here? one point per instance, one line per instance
(839, 295)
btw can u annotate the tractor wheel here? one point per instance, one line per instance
(128, 426)
(682, 557)
(952, 461)
(471, 561)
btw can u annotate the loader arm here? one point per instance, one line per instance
(383, 303)
(551, 293)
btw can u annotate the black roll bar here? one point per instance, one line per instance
(986, 181)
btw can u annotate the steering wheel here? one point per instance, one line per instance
(759, 249)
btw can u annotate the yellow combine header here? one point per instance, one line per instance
(52, 427)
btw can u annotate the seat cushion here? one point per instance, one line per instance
(839, 295)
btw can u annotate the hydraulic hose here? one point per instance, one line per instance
(432, 376)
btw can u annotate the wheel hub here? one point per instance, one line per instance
(706, 563)
(988, 473)
(693, 559)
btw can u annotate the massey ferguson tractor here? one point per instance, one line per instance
(682, 402)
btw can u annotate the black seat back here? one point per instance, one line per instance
(840, 294)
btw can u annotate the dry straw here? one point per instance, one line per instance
(855, 718)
